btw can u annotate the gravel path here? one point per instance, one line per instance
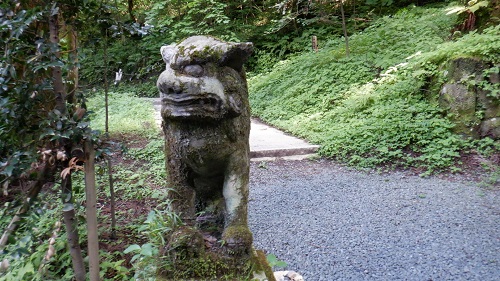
(330, 223)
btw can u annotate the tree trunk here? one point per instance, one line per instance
(131, 10)
(91, 211)
(66, 185)
(59, 93)
(71, 224)
(73, 72)
(344, 28)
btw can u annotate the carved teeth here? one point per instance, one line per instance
(185, 100)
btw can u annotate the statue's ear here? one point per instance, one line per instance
(167, 52)
(237, 55)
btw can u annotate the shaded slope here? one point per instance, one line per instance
(373, 107)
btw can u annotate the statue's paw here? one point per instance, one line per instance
(187, 241)
(238, 240)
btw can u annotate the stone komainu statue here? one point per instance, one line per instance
(206, 121)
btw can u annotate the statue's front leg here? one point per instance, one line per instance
(180, 193)
(236, 234)
(185, 241)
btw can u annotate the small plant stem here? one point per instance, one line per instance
(112, 195)
(106, 86)
(110, 166)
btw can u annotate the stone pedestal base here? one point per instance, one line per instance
(211, 267)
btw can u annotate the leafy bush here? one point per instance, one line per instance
(389, 122)
(137, 66)
(157, 226)
(30, 244)
(370, 108)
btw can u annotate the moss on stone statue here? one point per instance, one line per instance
(186, 242)
(208, 53)
(238, 241)
(213, 266)
(206, 123)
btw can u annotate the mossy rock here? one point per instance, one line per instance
(470, 108)
(461, 103)
(238, 239)
(186, 242)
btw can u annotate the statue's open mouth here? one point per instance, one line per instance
(183, 105)
(206, 100)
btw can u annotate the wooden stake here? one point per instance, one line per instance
(315, 43)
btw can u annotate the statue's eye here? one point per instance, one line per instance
(193, 70)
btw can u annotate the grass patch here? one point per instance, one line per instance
(128, 114)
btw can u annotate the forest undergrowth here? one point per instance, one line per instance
(375, 107)
(135, 147)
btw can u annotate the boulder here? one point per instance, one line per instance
(473, 110)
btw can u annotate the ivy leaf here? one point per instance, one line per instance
(68, 207)
(48, 132)
(281, 264)
(83, 125)
(55, 63)
(27, 269)
(8, 170)
(132, 248)
(147, 250)
(274, 262)
(12, 71)
(66, 134)
(135, 257)
(271, 258)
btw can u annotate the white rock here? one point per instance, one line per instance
(288, 276)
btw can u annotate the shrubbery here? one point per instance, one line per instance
(371, 108)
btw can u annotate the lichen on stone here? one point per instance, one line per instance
(206, 123)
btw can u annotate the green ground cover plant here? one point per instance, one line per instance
(128, 114)
(374, 107)
(26, 256)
